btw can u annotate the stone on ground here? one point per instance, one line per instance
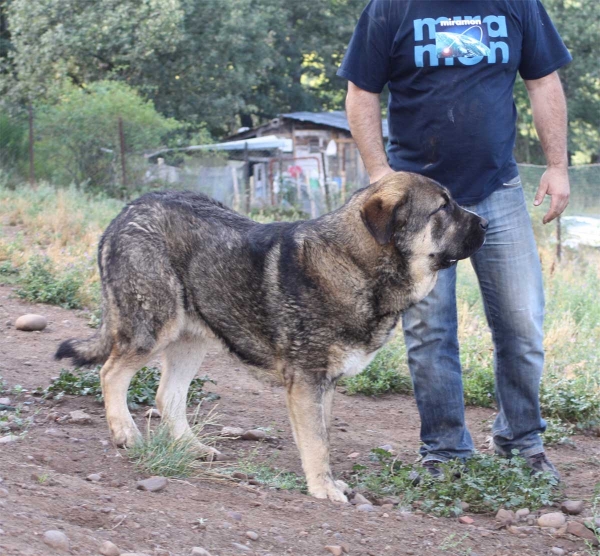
(153, 484)
(580, 530)
(79, 417)
(199, 551)
(573, 507)
(57, 540)
(255, 434)
(553, 519)
(31, 323)
(505, 517)
(108, 548)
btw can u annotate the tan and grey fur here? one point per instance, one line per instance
(313, 300)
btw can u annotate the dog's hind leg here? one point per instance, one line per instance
(310, 401)
(115, 377)
(181, 361)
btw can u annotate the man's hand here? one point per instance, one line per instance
(378, 174)
(554, 182)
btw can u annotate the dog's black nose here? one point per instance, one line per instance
(484, 224)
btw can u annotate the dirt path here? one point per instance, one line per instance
(45, 473)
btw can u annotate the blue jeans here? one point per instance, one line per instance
(510, 279)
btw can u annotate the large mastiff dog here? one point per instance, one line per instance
(312, 300)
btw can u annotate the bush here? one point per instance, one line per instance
(13, 144)
(40, 283)
(142, 390)
(79, 135)
(486, 483)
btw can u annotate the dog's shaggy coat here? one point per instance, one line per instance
(313, 300)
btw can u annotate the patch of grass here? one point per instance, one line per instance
(269, 475)
(557, 432)
(142, 390)
(161, 454)
(277, 214)
(40, 283)
(486, 483)
(593, 523)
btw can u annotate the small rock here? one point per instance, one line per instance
(387, 448)
(198, 551)
(466, 520)
(134, 554)
(241, 547)
(3, 493)
(522, 514)
(152, 413)
(359, 499)
(553, 519)
(353, 455)
(4, 401)
(232, 431)
(9, 438)
(108, 548)
(581, 531)
(505, 517)
(252, 535)
(335, 550)
(57, 540)
(153, 484)
(255, 434)
(236, 516)
(79, 417)
(573, 507)
(94, 478)
(464, 506)
(365, 508)
(30, 323)
(557, 551)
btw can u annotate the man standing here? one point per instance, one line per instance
(450, 67)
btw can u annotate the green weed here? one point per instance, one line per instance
(267, 474)
(161, 454)
(486, 483)
(40, 283)
(142, 390)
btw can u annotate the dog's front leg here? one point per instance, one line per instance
(309, 401)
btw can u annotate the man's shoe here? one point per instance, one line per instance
(539, 463)
(431, 468)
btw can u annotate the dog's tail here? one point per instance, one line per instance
(91, 351)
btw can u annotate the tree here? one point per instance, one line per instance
(79, 135)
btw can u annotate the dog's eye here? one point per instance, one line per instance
(443, 207)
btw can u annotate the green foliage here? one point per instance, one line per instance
(277, 214)
(13, 142)
(142, 390)
(79, 135)
(162, 455)
(486, 483)
(387, 373)
(557, 432)
(593, 523)
(40, 283)
(479, 387)
(269, 475)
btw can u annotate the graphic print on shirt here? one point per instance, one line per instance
(466, 39)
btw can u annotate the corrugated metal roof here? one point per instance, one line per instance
(335, 118)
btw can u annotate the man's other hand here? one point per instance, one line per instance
(554, 182)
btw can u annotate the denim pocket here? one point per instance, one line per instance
(514, 182)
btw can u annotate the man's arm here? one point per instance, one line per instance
(550, 118)
(364, 116)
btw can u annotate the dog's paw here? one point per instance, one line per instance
(330, 490)
(126, 436)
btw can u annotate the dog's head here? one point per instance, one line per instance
(420, 219)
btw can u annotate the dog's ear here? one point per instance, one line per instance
(383, 213)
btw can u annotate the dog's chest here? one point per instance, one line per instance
(353, 361)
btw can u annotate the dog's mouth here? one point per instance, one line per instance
(447, 263)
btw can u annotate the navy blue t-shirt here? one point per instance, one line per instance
(451, 67)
